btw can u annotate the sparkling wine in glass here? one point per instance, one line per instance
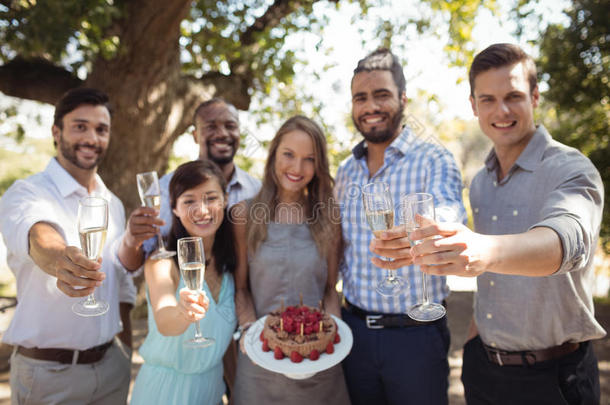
(417, 207)
(191, 259)
(150, 194)
(92, 228)
(379, 210)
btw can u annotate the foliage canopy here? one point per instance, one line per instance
(158, 60)
(575, 62)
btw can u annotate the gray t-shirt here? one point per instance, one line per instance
(550, 185)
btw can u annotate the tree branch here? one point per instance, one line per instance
(233, 88)
(36, 79)
(271, 18)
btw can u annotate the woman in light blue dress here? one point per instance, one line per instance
(172, 373)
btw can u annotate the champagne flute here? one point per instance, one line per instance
(150, 194)
(379, 210)
(417, 207)
(191, 259)
(92, 228)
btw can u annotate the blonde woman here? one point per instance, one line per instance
(287, 244)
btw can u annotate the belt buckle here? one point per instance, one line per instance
(373, 318)
(499, 358)
(495, 353)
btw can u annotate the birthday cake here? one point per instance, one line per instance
(299, 332)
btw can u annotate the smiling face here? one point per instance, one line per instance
(505, 106)
(217, 133)
(376, 105)
(294, 162)
(201, 208)
(83, 140)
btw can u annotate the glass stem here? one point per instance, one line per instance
(90, 301)
(389, 273)
(424, 288)
(160, 240)
(197, 330)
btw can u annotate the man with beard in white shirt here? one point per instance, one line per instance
(59, 356)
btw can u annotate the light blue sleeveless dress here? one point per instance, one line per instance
(172, 374)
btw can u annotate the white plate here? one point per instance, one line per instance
(304, 369)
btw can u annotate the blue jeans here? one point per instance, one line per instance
(398, 366)
(571, 379)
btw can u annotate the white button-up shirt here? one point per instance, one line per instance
(43, 317)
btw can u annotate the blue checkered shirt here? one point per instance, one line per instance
(411, 164)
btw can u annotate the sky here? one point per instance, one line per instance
(426, 70)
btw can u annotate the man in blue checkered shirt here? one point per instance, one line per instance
(394, 360)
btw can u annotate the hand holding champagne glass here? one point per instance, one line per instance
(379, 210)
(191, 259)
(92, 228)
(150, 194)
(418, 207)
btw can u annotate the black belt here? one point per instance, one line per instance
(375, 320)
(529, 357)
(66, 356)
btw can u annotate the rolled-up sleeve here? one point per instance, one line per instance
(574, 211)
(445, 184)
(21, 208)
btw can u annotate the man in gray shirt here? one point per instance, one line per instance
(537, 207)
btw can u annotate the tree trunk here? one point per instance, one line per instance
(144, 86)
(153, 103)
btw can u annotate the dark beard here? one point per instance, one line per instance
(221, 160)
(69, 153)
(383, 136)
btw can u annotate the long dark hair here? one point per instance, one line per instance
(186, 177)
(318, 193)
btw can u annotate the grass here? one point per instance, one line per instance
(24, 159)
(602, 300)
(8, 286)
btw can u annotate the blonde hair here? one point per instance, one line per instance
(319, 203)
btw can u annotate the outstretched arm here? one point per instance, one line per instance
(77, 276)
(460, 251)
(171, 316)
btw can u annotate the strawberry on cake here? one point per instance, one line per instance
(299, 332)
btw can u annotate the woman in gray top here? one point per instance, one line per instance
(287, 241)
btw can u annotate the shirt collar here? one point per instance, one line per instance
(531, 155)
(401, 144)
(237, 178)
(67, 185)
(533, 152)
